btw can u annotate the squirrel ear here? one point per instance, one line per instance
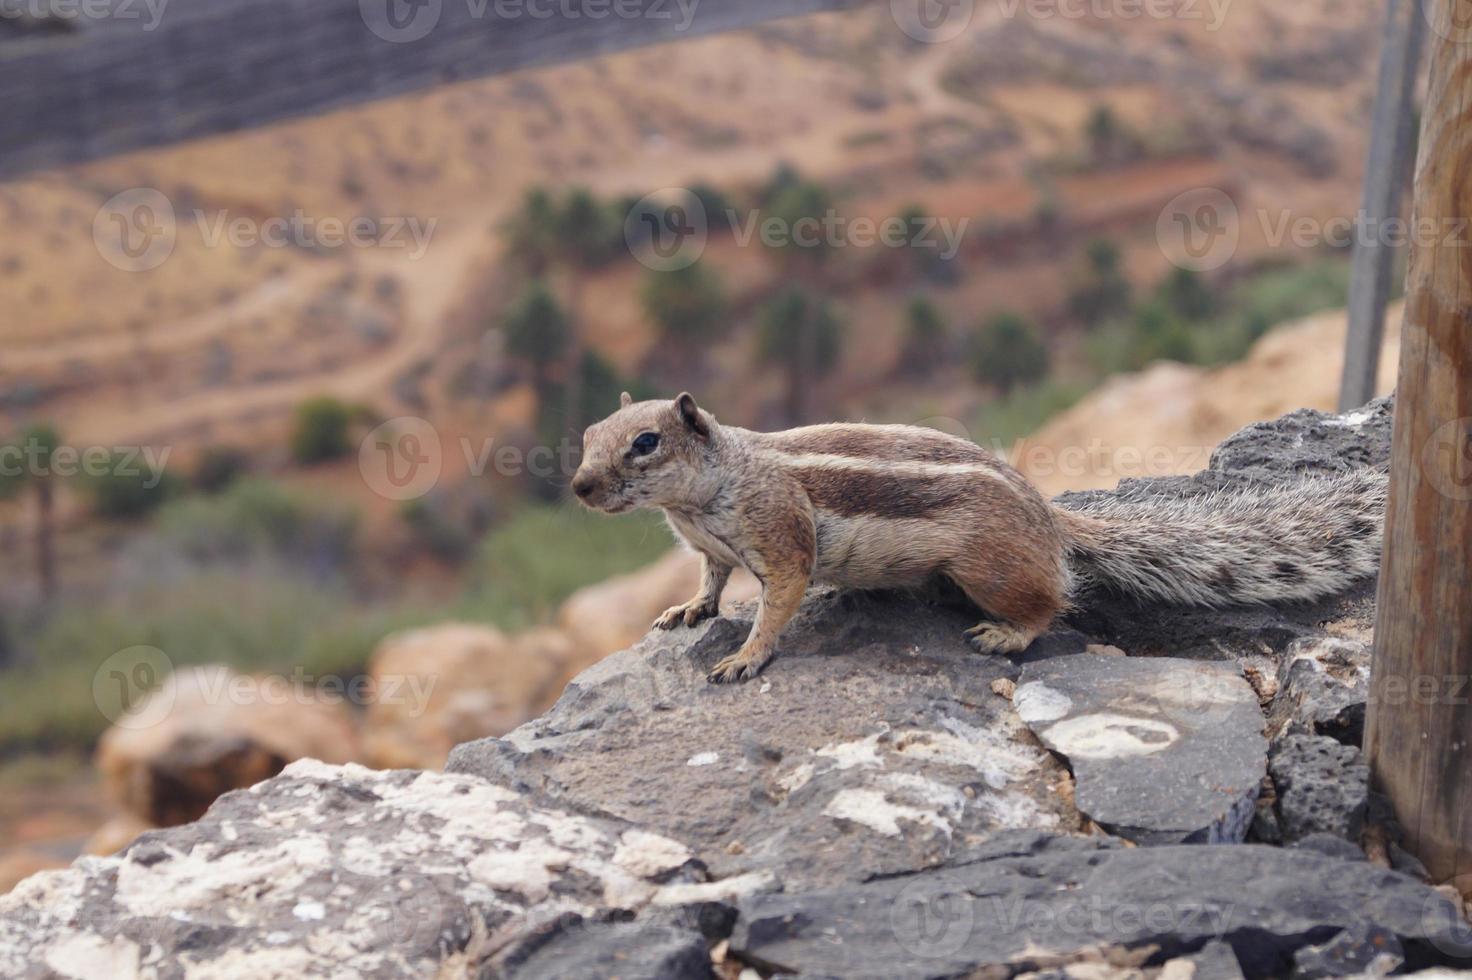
(690, 412)
(625, 399)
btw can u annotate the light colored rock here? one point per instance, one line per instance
(441, 685)
(19, 865)
(1165, 420)
(334, 871)
(208, 730)
(615, 614)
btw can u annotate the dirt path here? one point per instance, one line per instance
(430, 285)
(169, 336)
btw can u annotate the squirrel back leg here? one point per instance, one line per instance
(1020, 595)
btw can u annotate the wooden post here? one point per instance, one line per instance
(1419, 736)
(1385, 171)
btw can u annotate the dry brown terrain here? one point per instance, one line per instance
(220, 342)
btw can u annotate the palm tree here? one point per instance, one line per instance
(1007, 351)
(584, 242)
(531, 233)
(537, 332)
(688, 308)
(925, 336)
(29, 465)
(801, 334)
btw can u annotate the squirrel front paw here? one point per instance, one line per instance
(688, 613)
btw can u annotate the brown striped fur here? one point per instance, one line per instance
(885, 506)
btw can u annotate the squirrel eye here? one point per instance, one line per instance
(646, 443)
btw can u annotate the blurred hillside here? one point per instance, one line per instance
(503, 303)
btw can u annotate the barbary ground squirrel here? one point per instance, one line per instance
(894, 506)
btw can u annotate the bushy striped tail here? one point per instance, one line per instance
(1297, 541)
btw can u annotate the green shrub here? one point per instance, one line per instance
(128, 487)
(218, 467)
(256, 518)
(1006, 351)
(1103, 293)
(1188, 295)
(545, 553)
(321, 431)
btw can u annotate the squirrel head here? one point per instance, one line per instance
(646, 454)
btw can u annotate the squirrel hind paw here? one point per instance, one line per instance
(1000, 637)
(737, 667)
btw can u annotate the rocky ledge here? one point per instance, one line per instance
(1144, 792)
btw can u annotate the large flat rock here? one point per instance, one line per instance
(1021, 914)
(334, 871)
(874, 744)
(1164, 750)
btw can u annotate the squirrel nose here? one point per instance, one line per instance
(583, 484)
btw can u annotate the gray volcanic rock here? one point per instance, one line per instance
(1163, 750)
(1215, 961)
(1020, 914)
(574, 948)
(1323, 786)
(872, 745)
(334, 871)
(871, 805)
(1323, 686)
